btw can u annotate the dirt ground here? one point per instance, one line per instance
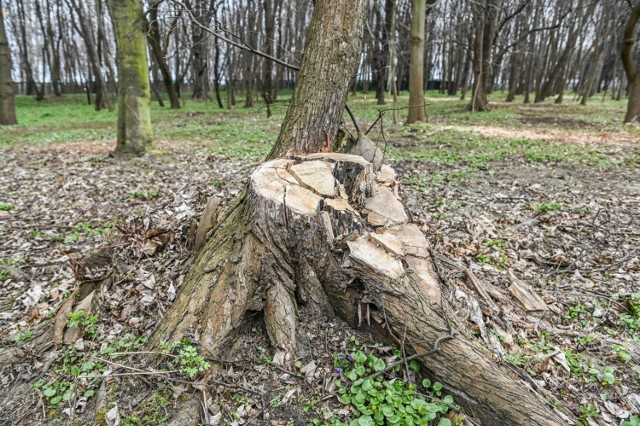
(569, 234)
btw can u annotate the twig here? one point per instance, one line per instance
(134, 373)
(436, 348)
(353, 118)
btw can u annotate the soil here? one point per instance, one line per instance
(569, 233)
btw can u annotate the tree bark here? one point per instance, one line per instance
(199, 51)
(316, 234)
(134, 120)
(485, 17)
(630, 67)
(329, 62)
(153, 37)
(7, 96)
(102, 96)
(416, 71)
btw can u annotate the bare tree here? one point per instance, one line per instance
(630, 67)
(7, 102)
(416, 73)
(134, 119)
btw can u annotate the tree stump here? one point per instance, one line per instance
(326, 234)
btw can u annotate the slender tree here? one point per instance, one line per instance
(154, 39)
(416, 71)
(134, 120)
(631, 68)
(7, 101)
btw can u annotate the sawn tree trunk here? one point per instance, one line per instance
(317, 234)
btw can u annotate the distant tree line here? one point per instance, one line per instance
(470, 48)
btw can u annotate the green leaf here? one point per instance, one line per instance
(89, 393)
(608, 378)
(345, 399)
(365, 421)
(387, 411)
(55, 400)
(88, 366)
(49, 392)
(378, 364)
(415, 366)
(444, 422)
(437, 386)
(75, 370)
(360, 357)
(426, 383)
(366, 385)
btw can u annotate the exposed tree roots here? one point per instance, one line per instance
(324, 233)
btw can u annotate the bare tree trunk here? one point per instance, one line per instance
(199, 50)
(24, 50)
(630, 67)
(270, 30)
(216, 72)
(7, 101)
(153, 37)
(102, 96)
(485, 22)
(329, 61)
(391, 12)
(416, 73)
(134, 120)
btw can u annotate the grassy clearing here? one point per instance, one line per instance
(451, 137)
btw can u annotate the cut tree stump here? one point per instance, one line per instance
(325, 234)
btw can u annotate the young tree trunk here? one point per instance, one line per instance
(416, 71)
(270, 31)
(379, 53)
(630, 67)
(7, 97)
(216, 72)
(86, 31)
(153, 37)
(485, 16)
(199, 51)
(390, 14)
(134, 120)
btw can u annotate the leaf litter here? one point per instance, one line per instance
(541, 260)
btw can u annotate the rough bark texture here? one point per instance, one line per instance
(416, 71)
(153, 36)
(7, 102)
(485, 20)
(330, 56)
(134, 119)
(630, 68)
(322, 234)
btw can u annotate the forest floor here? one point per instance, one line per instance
(539, 197)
